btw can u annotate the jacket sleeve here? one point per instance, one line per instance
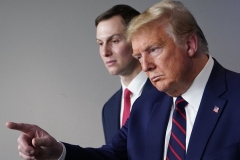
(116, 149)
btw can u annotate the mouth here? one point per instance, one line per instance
(156, 78)
(110, 62)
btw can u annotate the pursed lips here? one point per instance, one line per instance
(155, 78)
(110, 62)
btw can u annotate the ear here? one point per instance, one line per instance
(192, 45)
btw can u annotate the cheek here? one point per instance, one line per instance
(176, 69)
(125, 53)
(163, 64)
(169, 63)
(119, 50)
(127, 49)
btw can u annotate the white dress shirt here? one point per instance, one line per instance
(136, 87)
(193, 96)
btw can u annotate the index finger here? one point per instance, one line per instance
(23, 127)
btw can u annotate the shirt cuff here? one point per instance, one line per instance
(62, 157)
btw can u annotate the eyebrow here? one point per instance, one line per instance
(110, 37)
(144, 50)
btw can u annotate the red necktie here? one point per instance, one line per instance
(177, 142)
(127, 104)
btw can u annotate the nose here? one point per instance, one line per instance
(147, 63)
(105, 50)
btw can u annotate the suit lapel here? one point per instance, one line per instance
(156, 135)
(207, 117)
(117, 110)
(111, 115)
(204, 125)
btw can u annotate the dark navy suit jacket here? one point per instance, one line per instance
(111, 112)
(215, 136)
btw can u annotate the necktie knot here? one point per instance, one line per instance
(180, 103)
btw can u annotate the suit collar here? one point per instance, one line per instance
(195, 92)
(137, 83)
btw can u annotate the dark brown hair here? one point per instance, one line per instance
(127, 13)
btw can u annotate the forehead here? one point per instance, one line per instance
(109, 27)
(148, 36)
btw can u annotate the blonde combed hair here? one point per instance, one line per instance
(179, 22)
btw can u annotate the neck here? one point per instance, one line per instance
(127, 79)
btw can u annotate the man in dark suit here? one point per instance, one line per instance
(116, 54)
(173, 51)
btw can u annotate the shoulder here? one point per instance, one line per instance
(113, 102)
(221, 76)
(224, 83)
(117, 95)
(232, 80)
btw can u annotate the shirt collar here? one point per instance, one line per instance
(194, 94)
(137, 83)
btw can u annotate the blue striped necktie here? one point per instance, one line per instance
(177, 142)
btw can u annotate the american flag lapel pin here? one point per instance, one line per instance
(216, 109)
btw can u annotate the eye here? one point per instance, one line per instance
(99, 43)
(154, 50)
(138, 57)
(115, 41)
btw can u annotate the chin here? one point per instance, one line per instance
(160, 87)
(113, 73)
